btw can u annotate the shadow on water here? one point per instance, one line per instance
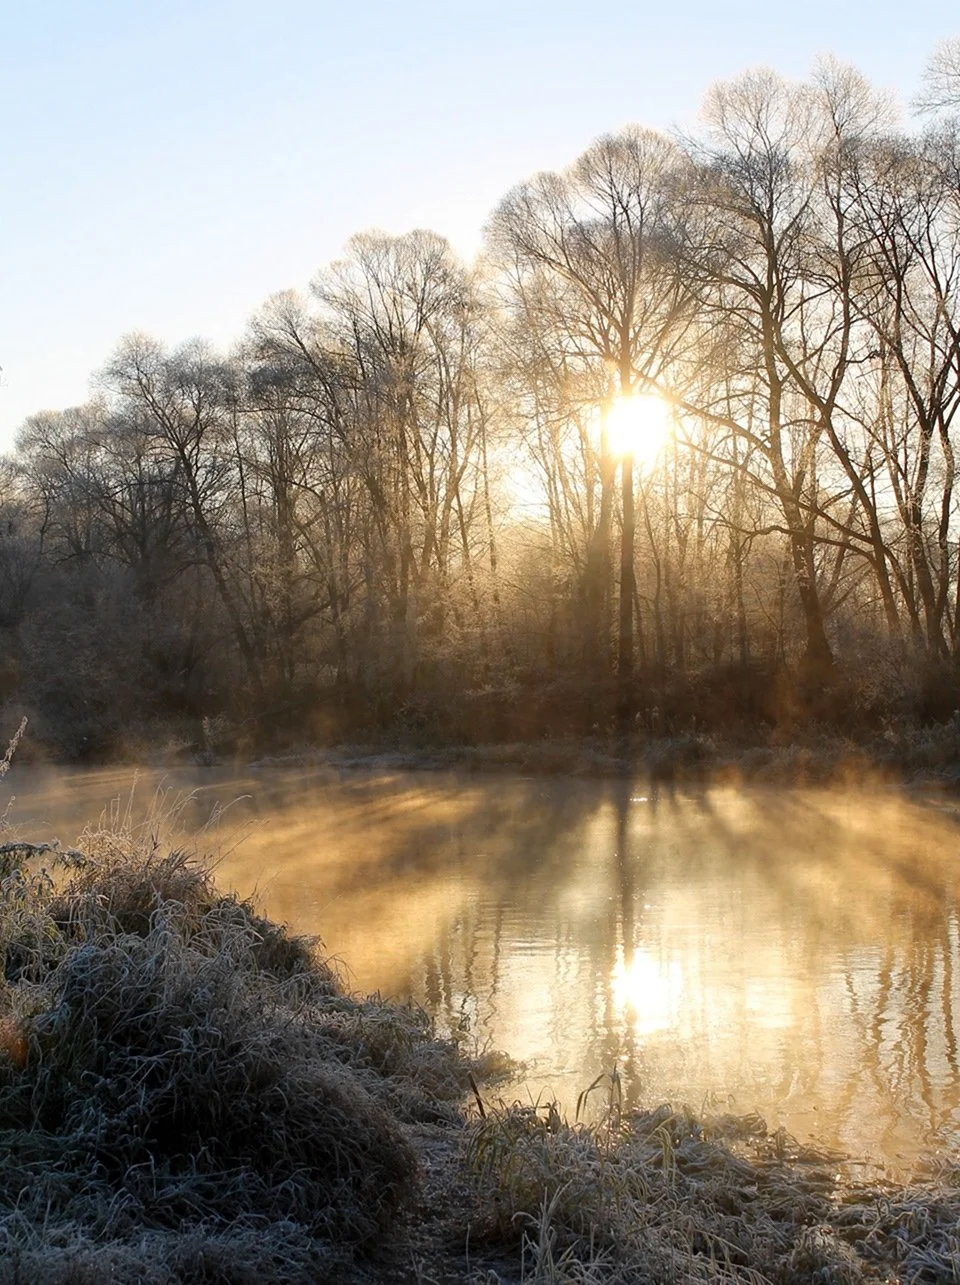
(794, 952)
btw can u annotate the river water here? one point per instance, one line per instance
(792, 952)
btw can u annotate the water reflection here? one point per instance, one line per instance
(790, 952)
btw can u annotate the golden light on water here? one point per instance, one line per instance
(793, 952)
(638, 425)
(647, 991)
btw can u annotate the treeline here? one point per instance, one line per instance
(394, 506)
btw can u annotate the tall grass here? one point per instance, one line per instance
(182, 1079)
(665, 1196)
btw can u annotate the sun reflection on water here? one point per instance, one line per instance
(647, 991)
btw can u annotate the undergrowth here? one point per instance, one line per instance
(666, 1196)
(184, 1087)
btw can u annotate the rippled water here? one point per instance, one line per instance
(791, 952)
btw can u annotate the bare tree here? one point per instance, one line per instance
(588, 257)
(184, 401)
(402, 313)
(941, 80)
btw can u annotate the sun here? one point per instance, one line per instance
(638, 425)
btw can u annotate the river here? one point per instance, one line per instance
(792, 952)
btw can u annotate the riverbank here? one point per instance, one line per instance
(918, 757)
(187, 1094)
(895, 752)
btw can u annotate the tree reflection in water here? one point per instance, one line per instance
(792, 952)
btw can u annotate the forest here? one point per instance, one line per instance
(394, 508)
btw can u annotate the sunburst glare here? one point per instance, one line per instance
(638, 425)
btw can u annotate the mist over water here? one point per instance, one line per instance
(791, 952)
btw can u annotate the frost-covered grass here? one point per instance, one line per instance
(185, 1086)
(665, 1196)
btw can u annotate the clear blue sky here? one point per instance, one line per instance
(168, 164)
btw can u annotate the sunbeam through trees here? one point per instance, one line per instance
(394, 506)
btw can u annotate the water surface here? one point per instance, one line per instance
(791, 952)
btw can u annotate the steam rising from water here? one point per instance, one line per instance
(793, 952)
